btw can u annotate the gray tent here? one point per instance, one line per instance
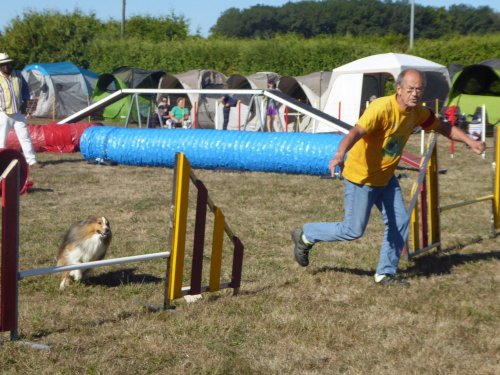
(59, 89)
(252, 118)
(309, 89)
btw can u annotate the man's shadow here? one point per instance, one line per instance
(442, 263)
(431, 264)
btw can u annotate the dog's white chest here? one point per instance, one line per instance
(89, 250)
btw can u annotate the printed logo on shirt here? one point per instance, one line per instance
(393, 146)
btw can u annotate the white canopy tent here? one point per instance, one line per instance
(352, 85)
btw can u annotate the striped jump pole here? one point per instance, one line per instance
(424, 228)
(94, 264)
(183, 175)
(496, 183)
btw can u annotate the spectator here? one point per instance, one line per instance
(227, 101)
(180, 114)
(14, 94)
(271, 107)
(163, 113)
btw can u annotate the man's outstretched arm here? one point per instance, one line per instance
(456, 134)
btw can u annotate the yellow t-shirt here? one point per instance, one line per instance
(373, 159)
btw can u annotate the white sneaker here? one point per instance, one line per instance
(387, 279)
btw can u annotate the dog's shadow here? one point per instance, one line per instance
(125, 276)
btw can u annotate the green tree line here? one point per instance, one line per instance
(165, 44)
(355, 17)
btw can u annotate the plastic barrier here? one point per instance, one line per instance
(299, 153)
(52, 137)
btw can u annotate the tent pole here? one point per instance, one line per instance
(88, 103)
(129, 114)
(139, 122)
(216, 117)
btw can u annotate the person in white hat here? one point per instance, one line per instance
(14, 93)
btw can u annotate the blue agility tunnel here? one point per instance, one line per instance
(297, 153)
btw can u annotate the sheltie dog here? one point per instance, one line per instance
(85, 241)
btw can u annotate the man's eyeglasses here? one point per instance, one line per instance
(410, 90)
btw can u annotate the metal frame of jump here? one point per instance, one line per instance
(9, 256)
(424, 208)
(276, 95)
(291, 103)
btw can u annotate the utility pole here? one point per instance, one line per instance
(123, 18)
(412, 17)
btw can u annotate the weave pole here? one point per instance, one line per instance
(183, 174)
(10, 249)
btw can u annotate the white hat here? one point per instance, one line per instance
(4, 58)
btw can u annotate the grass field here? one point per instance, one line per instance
(328, 318)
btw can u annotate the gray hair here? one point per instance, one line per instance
(401, 76)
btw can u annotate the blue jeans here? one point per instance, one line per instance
(358, 202)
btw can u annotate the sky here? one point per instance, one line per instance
(201, 14)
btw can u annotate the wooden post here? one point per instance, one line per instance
(216, 258)
(179, 227)
(496, 186)
(10, 249)
(433, 199)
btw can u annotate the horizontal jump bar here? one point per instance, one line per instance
(465, 203)
(98, 263)
(424, 250)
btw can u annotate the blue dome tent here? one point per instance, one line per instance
(59, 89)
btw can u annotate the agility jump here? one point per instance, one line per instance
(11, 275)
(424, 206)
